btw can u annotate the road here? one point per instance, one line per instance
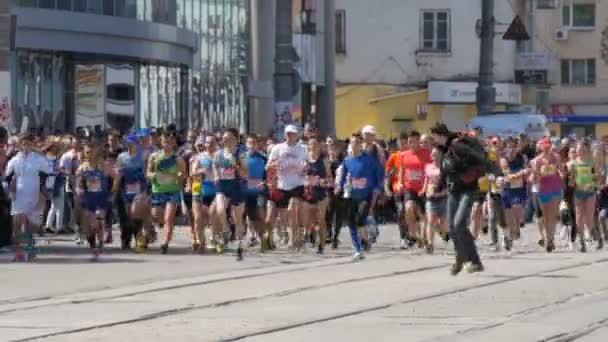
(393, 295)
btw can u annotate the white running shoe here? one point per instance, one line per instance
(358, 256)
(403, 244)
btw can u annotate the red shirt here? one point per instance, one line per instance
(413, 168)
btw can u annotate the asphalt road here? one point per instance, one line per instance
(393, 295)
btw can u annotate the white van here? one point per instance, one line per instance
(511, 125)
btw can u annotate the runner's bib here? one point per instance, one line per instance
(133, 188)
(359, 183)
(548, 170)
(254, 184)
(414, 175)
(228, 173)
(165, 179)
(93, 184)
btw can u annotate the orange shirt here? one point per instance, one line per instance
(413, 168)
(392, 168)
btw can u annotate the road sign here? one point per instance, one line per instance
(516, 31)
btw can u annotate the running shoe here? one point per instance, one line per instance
(508, 243)
(239, 254)
(195, 247)
(475, 268)
(164, 248)
(219, 248)
(583, 248)
(95, 256)
(403, 244)
(320, 250)
(334, 244)
(19, 255)
(541, 243)
(358, 256)
(430, 249)
(456, 268)
(600, 244)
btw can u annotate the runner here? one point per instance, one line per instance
(582, 175)
(166, 172)
(318, 179)
(547, 169)
(229, 170)
(256, 192)
(134, 209)
(362, 177)
(436, 195)
(513, 166)
(414, 160)
(336, 206)
(289, 159)
(23, 174)
(93, 179)
(203, 192)
(392, 188)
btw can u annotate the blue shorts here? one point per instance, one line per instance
(513, 197)
(94, 201)
(163, 198)
(205, 200)
(545, 199)
(232, 190)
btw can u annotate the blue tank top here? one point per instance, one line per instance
(256, 169)
(207, 185)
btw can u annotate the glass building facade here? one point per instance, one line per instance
(60, 90)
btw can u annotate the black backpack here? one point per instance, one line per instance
(468, 165)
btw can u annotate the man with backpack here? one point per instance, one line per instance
(464, 161)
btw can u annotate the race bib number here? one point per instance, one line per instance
(548, 170)
(414, 175)
(228, 173)
(359, 183)
(196, 187)
(93, 184)
(165, 179)
(133, 188)
(254, 184)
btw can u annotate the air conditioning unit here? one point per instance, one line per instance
(561, 34)
(547, 4)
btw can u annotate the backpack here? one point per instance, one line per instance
(468, 168)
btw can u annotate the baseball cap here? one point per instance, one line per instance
(143, 132)
(291, 129)
(369, 129)
(131, 140)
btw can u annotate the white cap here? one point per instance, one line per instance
(369, 129)
(291, 129)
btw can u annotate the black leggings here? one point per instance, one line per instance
(336, 210)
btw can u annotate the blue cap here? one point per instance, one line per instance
(131, 140)
(143, 132)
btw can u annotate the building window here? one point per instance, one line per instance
(64, 5)
(47, 4)
(578, 15)
(341, 31)
(435, 30)
(578, 72)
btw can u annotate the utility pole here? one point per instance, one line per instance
(284, 73)
(327, 111)
(486, 93)
(262, 52)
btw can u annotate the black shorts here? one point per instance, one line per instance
(357, 212)
(287, 195)
(252, 204)
(204, 200)
(410, 195)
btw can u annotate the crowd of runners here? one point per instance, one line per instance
(232, 190)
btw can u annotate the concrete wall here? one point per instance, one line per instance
(580, 44)
(383, 38)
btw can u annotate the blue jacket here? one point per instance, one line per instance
(366, 173)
